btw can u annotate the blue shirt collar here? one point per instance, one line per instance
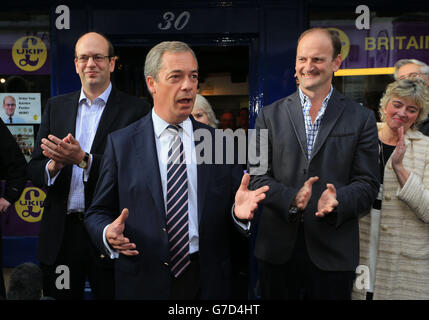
(305, 99)
(104, 96)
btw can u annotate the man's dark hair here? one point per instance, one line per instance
(25, 282)
(335, 39)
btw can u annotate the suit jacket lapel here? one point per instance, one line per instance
(294, 110)
(69, 120)
(332, 113)
(110, 112)
(68, 124)
(145, 148)
(203, 175)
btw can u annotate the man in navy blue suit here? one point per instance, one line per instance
(164, 250)
(66, 161)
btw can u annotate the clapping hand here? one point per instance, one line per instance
(65, 151)
(327, 202)
(304, 194)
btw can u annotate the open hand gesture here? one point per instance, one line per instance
(246, 201)
(115, 236)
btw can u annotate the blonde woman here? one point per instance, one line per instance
(203, 112)
(394, 237)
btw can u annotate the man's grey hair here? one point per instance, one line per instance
(424, 68)
(153, 63)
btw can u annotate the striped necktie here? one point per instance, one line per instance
(177, 204)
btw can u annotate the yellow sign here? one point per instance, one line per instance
(345, 42)
(364, 71)
(29, 53)
(397, 43)
(29, 207)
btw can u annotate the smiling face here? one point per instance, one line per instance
(401, 112)
(314, 63)
(9, 106)
(175, 86)
(94, 76)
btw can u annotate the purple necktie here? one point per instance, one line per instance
(177, 205)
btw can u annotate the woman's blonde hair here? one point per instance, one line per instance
(411, 89)
(202, 103)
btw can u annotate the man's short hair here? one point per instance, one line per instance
(25, 282)
(4, 99)
(333, 35)
(110, 48)
(153, 63)
(424, 68)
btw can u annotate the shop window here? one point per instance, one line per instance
(369, 55)
(24, 74)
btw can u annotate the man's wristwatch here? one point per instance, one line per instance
(84, 163)
(294, 213)
(293, 210)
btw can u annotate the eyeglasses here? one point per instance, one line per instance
(411, 75)
(97, 58)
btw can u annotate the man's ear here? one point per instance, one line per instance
(151, 84)
(76, 65)
(112, 63)
(337, 62)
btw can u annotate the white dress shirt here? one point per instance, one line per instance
(162, 141)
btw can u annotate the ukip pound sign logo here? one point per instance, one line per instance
(29, 53)
(29, 207)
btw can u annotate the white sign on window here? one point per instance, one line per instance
(20, 108)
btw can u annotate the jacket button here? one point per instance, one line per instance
(163, 229)
(166, 264)
(102, 256)
(387, 197)
(383, 227)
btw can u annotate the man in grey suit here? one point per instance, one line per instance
(322, 173)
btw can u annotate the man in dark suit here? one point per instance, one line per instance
(168, 221)
(12, 170)
(322, 172)
(66, 160)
